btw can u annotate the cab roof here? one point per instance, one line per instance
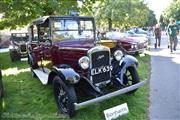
(43, 19)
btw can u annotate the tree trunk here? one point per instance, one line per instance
(110, 24)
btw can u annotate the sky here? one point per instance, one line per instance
(158, 6)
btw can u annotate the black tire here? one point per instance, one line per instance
(14, 56)
(131, 77)
(1, 86)
(65, 96)
(1, 90)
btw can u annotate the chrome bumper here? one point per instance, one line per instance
(110, 95)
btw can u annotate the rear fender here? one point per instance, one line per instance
(66, 73)
(126, 61)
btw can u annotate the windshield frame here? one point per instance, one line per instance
(78, 19)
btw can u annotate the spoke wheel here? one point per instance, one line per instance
(65, 96)
(131, 77)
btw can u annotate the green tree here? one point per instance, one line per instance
(121, 13)
(173, 11)
(21, 12)
(151, 19)
(163, 22)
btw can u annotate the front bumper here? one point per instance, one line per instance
(23, 54)
(110, 95)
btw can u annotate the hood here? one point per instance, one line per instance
(139, 39)
(108, 43)
(77, 43)
(126, 40)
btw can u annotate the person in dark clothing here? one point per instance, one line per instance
(157, 33)
(173, 31)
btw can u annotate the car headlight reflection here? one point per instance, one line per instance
(84, 62)
(16, 47)
(134, 46)
(118, 55)
(13, 47)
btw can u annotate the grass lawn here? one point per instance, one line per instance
(26, 98)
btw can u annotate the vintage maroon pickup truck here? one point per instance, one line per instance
(64, 51)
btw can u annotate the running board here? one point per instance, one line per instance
(110, 95)
(43, 76)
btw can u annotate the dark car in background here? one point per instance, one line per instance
(64, 51)
(18, 47)
(4, 40)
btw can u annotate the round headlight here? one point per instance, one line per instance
(118, 55)
(84, 62)
(15, 47)
(10, 47)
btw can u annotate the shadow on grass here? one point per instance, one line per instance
(6, 63)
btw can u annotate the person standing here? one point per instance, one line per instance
(157, 33)
(173, 31)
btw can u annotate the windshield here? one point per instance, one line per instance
(71, 29)
(18, 37)
(115, 35)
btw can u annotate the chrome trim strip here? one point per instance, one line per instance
(110, 95)
(73, 48)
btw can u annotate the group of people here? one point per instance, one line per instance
(172, 32)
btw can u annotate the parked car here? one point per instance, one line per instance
(63, 51)
(140, 37)
(4, 42)
(18, 47)
(1, 86)
(133, 34)
(130, 45)
(138, 31)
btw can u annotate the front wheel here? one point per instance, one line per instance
(131, 77)
(65, 96)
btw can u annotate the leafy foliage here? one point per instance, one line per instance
(108, 13)
(163, 22)
(173, 11)
(119, 13)
(21, 12)
(151, 19)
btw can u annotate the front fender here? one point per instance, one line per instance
(125, 62)
(67, 74)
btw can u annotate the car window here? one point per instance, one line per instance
(71, 29)
(35, 33)
(114, 35)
